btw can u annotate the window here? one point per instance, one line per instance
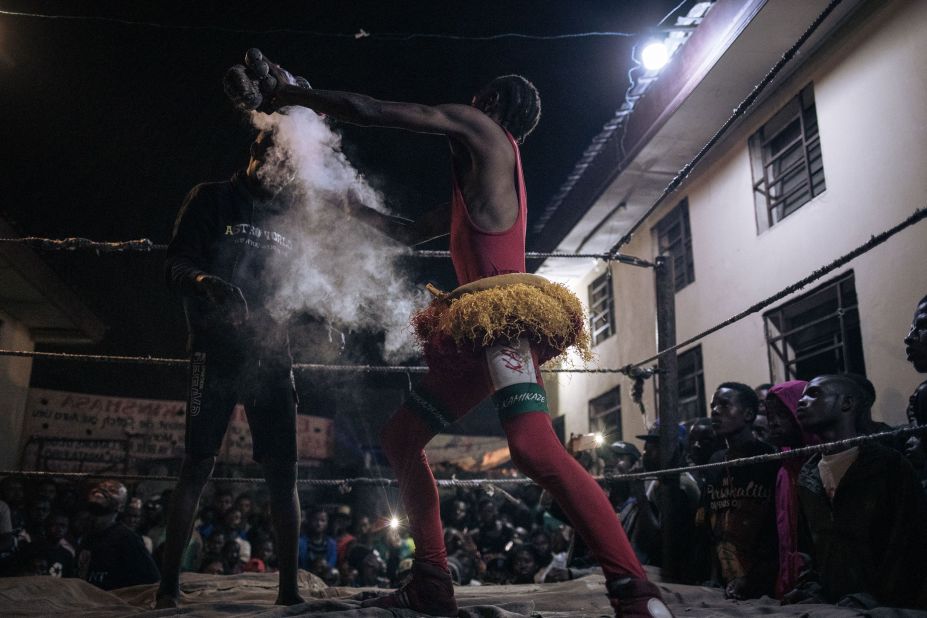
(691, 384)
(674, 238)
(601, 309)
(816, 334)
(605, 414)
(785, 155)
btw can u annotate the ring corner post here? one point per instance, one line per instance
(668, 413)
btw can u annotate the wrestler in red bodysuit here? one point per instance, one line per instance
(487, 338)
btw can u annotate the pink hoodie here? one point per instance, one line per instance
(790, 560)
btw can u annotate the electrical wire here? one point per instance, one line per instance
(360, 34)
(670, 14)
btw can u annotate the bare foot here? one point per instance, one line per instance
(289, 599)
(167, 601)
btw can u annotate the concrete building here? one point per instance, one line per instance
(833, 152)
(36, 307)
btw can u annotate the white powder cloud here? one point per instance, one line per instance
(339, 269)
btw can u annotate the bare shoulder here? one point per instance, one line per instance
(462, 112)
(479, 132)
(474, 119)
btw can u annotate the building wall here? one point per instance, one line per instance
(14, 386)
(873, 127)
(634, 339)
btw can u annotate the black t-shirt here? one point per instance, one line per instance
(740, 506)
(116, 558)
(224, 230)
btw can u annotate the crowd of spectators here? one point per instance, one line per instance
(843, 526)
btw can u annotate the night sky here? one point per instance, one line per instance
(106, 126)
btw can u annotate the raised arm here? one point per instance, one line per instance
(260, 84)
(454, 120)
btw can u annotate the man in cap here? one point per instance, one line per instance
(641, 516)
(620, 458)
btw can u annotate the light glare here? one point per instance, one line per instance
(394, 523)
(599, 439)
(654, 56)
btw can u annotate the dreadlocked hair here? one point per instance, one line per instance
(519, 104)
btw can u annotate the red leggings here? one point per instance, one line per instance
(535, 450)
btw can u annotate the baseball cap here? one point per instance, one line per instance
(624, 448)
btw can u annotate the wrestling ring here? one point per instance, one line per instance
(250, 593)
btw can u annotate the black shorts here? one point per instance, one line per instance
(263, 383)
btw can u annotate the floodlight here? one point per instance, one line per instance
(654, 55)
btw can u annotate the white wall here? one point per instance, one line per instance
(14, 386)
(634, 339)
(870, 94)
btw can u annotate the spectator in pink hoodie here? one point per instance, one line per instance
(786, 433)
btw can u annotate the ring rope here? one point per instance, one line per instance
(739, 111)
(96, 358)
(74, 243)
(610, 478)
(146, 245)
(532, 255)
(177, 362)
(874, 241)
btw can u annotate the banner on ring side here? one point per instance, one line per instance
(79, 432)
(468, 453)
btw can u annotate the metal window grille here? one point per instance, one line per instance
(674, 238)
(601, 309)
(788, 169)
(691, 376)
(605, 414)
(816, 334)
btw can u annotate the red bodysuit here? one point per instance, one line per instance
(449, 390)
(476, 253)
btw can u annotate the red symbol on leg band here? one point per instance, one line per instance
(513, 360)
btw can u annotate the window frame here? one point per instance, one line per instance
(784, 359)
(679, 248)
(603, 412)
(602, 307)
(776, 194)
(701, 406)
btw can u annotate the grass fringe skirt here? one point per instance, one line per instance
(547, 314)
